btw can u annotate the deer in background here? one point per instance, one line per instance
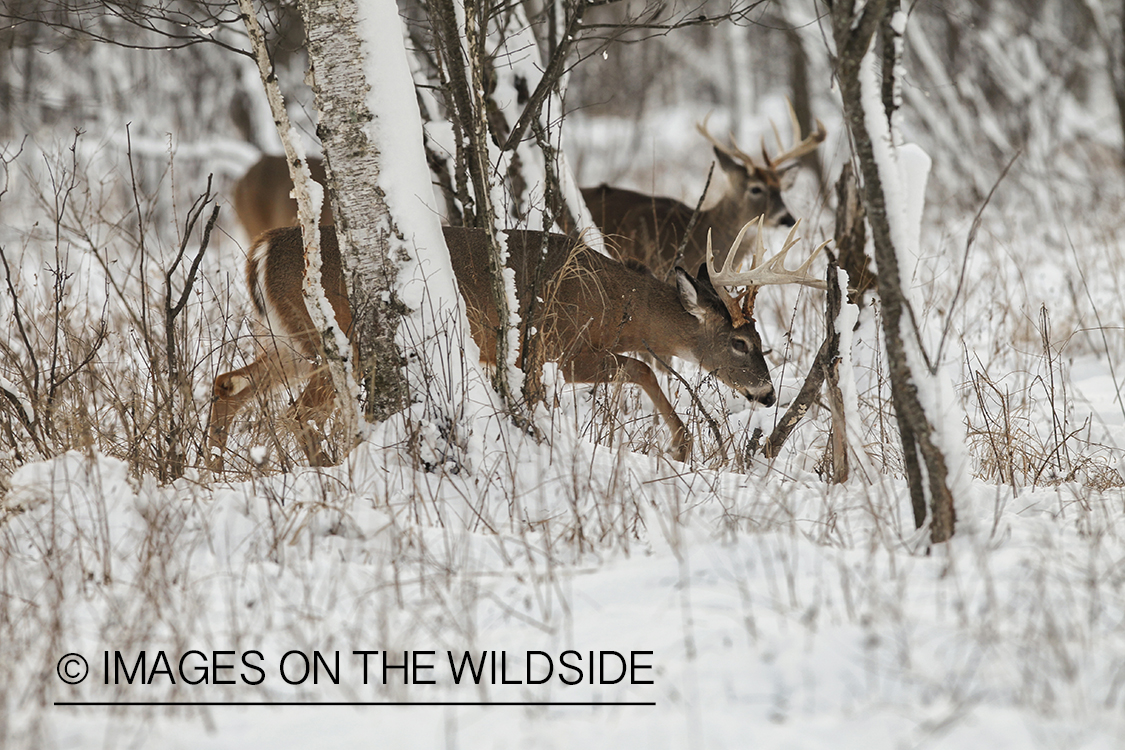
(593, 311)
(651, 230)
(262, 197)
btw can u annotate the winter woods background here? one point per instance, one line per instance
(780, 608)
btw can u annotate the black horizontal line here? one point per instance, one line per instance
(355, 703)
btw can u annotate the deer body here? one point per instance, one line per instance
(590, 312)
(652, 230)
(262, 197)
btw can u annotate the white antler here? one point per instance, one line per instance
(800, 147)
(762, 271)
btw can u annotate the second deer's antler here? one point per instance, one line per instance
(800, 147)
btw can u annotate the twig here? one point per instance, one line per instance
(968, 246)
(825, 358)
(550, 77)
(695, 399)
(694, 218)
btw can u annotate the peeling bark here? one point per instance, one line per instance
(335, 343)
(370, 242)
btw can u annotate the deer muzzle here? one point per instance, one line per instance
(764, 394)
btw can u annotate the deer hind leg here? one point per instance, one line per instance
(315, 404)
(603, 368)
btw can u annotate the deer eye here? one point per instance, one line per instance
(756, 191)
(740, 346)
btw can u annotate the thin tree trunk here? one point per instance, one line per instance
(920, 451)
(465, 69)
(337, 348)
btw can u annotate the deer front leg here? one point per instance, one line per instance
(603, 368)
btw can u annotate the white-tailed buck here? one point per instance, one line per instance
(652, 230)
(589, 314)
(262, 197)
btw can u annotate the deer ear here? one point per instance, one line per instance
(697, 295)
(689, 295)
(731, 167)
(787, 177)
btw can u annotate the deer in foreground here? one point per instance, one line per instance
(594, 311)
(262, 197)
(652, 230)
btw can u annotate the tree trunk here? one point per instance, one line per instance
(926, 469)
(460, 42)
(370, 240)
(309, 195)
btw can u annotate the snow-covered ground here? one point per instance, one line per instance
(758, 605)
(773, 611)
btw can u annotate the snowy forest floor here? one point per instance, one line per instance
(767, 608)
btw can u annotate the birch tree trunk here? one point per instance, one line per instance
(368, 235)
(400, 279)
(310, 196)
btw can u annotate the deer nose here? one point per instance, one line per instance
(764, 396)
(786, 220)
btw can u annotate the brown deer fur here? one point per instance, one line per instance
(262, 197)
(591, 312)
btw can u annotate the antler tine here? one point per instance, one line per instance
(801, 147)
(744, 156)
(777, 133)
(702, 128)
(760, 248)
(772, 271)
(733, 150)
(728, 262)
(737, 317)
(796, 123)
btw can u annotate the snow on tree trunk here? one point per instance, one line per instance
(392, 247)
(310, 196)
(551, 198)
(541, 190)
(894, 177)
(461, 43)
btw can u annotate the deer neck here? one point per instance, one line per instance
(663, 327)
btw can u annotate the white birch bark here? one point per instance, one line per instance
(921, 409)
(309, 196)
(400, 279)
(904, 169)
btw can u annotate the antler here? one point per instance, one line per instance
(734, 152)
(799, 149)
(761, 271)
(800, 146)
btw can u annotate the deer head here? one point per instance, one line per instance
(755, 188)
(726, 346)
